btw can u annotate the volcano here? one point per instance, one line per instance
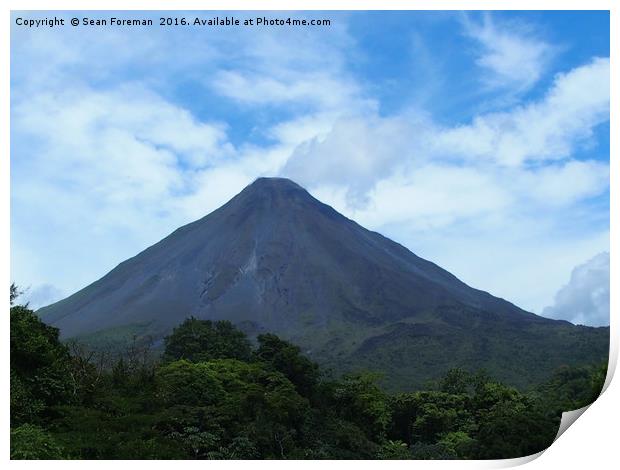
(275, 259)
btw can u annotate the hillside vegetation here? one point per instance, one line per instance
(215, 395)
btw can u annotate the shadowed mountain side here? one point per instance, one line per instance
(276, 259)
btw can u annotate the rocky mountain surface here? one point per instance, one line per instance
(276, 259)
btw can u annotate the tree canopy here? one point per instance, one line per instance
(203, 340)
(213, 396)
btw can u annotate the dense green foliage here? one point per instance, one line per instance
(40, 367)
(31, 442)
(287, 358)
(203, 340)
(214, 397)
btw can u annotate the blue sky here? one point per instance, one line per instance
(478, 140)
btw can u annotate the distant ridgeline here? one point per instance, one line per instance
(275, 259)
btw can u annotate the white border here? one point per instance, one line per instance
(591, 443)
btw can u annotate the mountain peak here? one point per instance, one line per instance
(273, 191)
(274, 182)
(276, 259)
(273, 185)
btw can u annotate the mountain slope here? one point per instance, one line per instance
(276, 259)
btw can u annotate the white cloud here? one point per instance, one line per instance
(318, 89)
(549, 129)
(40, 296)
(547, 186)
(585, 299)
(432, 196)
(119, 150)
(510, 54)
(492, 157)
(357, 151)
